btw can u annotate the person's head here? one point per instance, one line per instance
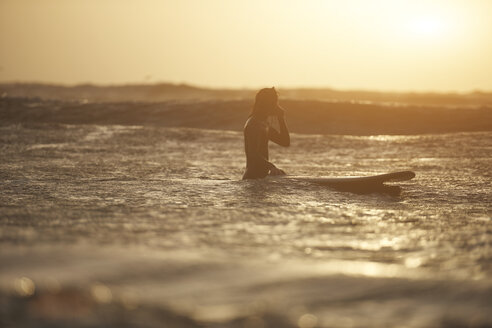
(265, 102)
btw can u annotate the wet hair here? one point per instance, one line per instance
(265, 101)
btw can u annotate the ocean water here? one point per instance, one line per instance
(147, 226)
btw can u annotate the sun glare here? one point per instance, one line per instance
(427, 27)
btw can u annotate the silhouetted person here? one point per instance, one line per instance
(257, 133)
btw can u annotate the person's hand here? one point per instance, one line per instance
(276, 171)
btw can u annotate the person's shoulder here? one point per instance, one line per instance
(250, 124)
(254, 124)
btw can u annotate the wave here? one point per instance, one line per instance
(308, 117)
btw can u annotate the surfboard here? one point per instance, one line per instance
(364, 185)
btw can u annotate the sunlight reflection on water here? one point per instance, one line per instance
(176, 194)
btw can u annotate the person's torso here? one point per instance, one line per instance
(256, 131)
(259, 128)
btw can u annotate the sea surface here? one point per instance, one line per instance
(149, 226)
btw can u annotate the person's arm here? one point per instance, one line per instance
(281, 138)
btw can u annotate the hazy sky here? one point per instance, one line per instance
(439, 45)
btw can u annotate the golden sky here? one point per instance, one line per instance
(414, 45)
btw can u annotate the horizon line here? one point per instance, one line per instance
(245, 88)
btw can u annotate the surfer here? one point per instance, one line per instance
(257, 133)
